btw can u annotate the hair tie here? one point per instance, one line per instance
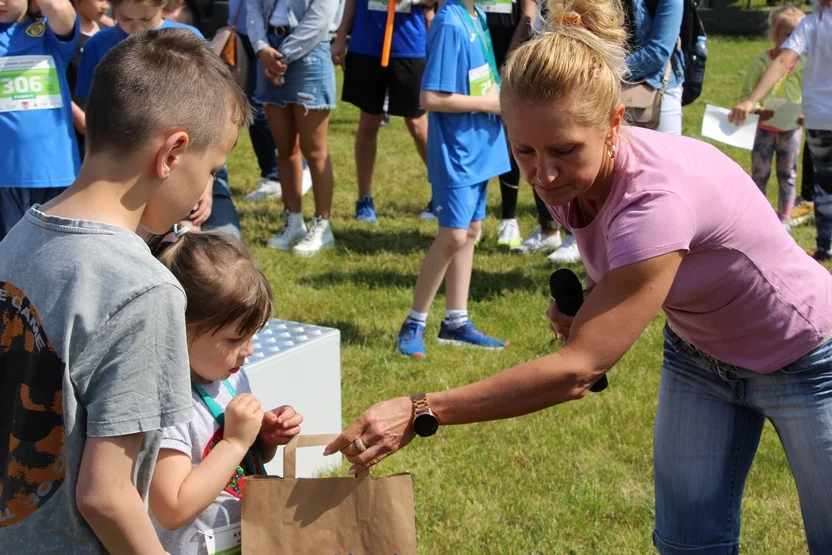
(568, 19)
(180, 230)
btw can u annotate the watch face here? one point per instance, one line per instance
(425, 425)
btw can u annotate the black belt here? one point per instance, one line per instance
(279, 30)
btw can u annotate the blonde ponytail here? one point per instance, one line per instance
(579, 55)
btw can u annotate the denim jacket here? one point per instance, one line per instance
(655, 42)
(309, 21)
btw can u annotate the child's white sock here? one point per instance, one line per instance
(417, 317)
(295, 219)
(456, 318)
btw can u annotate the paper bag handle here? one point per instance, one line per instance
(289, 452)
(321, 440)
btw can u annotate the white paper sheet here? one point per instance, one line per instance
(785, 114)
(716, 126)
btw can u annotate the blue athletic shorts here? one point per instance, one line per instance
(458, 207)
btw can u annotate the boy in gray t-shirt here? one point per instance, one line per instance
(93, 353)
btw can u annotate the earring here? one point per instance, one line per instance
(611, 150)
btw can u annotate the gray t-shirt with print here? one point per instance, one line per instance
(92, 343)
(196, 439)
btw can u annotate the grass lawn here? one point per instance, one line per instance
(572, 479)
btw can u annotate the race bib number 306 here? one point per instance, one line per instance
(29, 83)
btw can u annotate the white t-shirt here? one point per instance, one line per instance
(279, 16)
(196, 439)
(813, 37)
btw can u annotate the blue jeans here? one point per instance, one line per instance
(224, 215)
(820, 147)
(708, 425)
(259, 131)
(15, 201)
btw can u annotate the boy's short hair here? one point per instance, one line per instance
(162, 79)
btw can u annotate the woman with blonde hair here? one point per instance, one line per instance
(664, 223)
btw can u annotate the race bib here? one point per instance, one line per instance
(495, 6)
(381, 6)
(29, 83)
(224, 541)
(480, 80)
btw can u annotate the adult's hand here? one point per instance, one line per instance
(202, 210)
(338, 51)
(740, 112)
(271, 59)
(384, 428)
(559, 323)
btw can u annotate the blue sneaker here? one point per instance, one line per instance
(469, 336)
(365, 210)
(412, 340)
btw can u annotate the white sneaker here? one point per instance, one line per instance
(306, 182)
(428, 213)
(538, 242)
(294, 230)
(319, 237)
(508, 234)
(568, 253)
(266, 188)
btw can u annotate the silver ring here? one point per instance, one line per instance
(359, 445)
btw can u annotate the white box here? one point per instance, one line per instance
(300, 365)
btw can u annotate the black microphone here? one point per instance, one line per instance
(568, 292)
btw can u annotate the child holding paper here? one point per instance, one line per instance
(770, 140)
(466, 148)
(198, 481)
(811, 37)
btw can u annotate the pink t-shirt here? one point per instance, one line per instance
(745, 292)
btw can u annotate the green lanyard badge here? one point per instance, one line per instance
(253, 459)
(483, 36)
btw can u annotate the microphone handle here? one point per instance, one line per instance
(573, 307)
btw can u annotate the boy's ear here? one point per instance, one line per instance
(170, 154)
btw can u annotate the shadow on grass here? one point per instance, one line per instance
(370, 241)
(350, 334)
(484, 285)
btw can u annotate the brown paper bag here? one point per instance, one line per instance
(327, 516)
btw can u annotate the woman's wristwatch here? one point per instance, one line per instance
(424, 421)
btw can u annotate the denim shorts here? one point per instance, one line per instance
(708, 424)
(459, 207)
(308, 82)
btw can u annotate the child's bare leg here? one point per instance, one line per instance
(458, 275)
(448, 244)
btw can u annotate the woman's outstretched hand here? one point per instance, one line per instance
(383, 429)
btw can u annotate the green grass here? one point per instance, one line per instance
(572, 479)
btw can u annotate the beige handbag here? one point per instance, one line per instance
(643, 104)
(228, 45)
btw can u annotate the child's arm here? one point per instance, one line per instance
(773, 74)
(339, 45)
(179, 493)
(60, 16)
(528, 13)
(79, 119)
(108, 499)
(279, 427)
(434, 101)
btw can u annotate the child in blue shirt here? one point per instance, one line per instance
(466, 148)
(39, 155)
(131, 16)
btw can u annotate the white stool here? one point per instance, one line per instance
(300, 365)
